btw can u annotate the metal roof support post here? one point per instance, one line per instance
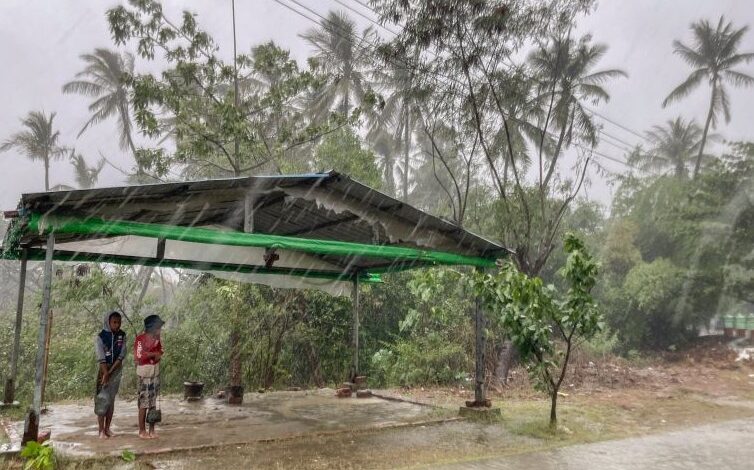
(355, 298)
(480, 344)
(10, 383)
(31, 427)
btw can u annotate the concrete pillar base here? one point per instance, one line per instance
(480, 413)
(235, 395)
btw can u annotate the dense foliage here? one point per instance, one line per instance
(545, 326)
(476, 111)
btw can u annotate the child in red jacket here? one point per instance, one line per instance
(147, 355)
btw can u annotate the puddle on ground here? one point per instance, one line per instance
(211, 422)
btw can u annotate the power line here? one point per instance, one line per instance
(617, 124)
(600, 131)
(366, 17)
(425, 72)
(511, 65)
(327, 21)
(616, 145)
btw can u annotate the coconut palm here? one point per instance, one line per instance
(382, 141)
(674, 147)
(344, 57)
(525, 117)
(567, 80)
(104, 78)
(86, 176)
(38, 141)
(399, 116)
(712, 55)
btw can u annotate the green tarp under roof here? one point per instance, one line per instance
(324, 227)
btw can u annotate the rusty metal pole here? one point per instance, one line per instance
(479, 348)
(355, 340)
(31, 427)
(48, 334)
(10, 383)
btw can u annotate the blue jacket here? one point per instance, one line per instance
(109, 346)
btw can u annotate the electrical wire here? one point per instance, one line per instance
(326, 21)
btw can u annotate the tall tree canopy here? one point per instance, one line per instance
(712, 55)
(105, 79)
(38, 141)
(345, 57)
(463, 52)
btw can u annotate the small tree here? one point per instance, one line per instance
(544, 326)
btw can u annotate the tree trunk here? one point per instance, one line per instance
(389, 175)
(145, 286)
(506, 356)
(47, 173)
(234, 371)
(406, 150)
(553, 409)
(698, 164)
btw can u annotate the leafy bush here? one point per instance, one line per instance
(38, 456)
(601, 345)
(646, 312)
(421, 360)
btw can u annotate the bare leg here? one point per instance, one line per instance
(108, 420)
(142, 423)
(101, 423)
(151, 431)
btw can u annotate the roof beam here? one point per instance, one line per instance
(314, 228)
(36, 254)
(91, 226)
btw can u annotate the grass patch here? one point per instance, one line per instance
(12, 413)
(576, 424)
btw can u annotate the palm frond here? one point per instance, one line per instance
(689, 55)
(594, 92)
(738, 78)
(83, 88)
(685, 88)
(736, 59)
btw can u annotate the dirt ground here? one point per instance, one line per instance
(604, 398)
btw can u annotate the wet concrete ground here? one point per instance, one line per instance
(385, 449)
(720, 446)
(262, 417)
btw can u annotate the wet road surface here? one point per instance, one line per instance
(720, 446)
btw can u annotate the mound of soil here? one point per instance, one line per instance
(712, 351)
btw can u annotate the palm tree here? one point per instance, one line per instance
(567, 81)
(86, 176)
(712, 55)
(526, 118)
(674, 146)
(39, 141)
(104, 78)
(382, 142)
(344, 57)
(399, 115)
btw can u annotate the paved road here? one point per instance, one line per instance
(721, 446)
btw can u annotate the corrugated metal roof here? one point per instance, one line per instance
(327, 206)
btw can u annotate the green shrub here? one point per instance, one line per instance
(421, 360)
(38, 456)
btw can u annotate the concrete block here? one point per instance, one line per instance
(44, 436)
(480, 413)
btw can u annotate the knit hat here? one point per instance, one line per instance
(152, 322)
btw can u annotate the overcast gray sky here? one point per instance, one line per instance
(41, 40)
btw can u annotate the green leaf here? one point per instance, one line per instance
(128, 455)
